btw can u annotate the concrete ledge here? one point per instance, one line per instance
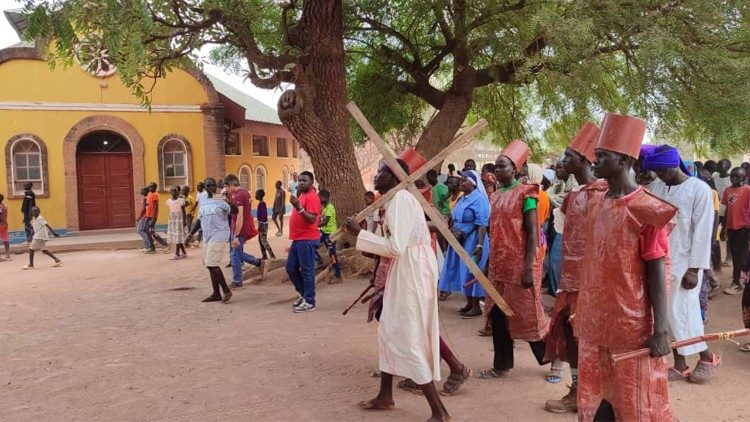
(88, 242)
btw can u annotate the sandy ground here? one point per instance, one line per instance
(115, 335)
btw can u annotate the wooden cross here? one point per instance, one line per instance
(407, 182)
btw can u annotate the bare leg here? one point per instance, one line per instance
(31, 258)
(49, 254)
(679, 361)
(384, 399)
(7, 249)
(439, 413)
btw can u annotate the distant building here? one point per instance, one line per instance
(88, 146)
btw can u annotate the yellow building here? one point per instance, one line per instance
(88, 147)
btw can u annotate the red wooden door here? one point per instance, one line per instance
(105, 191)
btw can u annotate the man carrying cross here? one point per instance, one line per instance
(408, 332)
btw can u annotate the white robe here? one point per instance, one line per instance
(689, 247)
(408, 332)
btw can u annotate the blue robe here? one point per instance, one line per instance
(470, 212)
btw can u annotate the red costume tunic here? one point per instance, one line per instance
(575, 207)
(506, 264)
(614, 311)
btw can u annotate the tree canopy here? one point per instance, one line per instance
(535, 69)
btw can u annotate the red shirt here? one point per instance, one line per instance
(241, 198)
(737, 201)
(299, 228)
(151, 199)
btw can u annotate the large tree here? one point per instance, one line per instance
(523, 64)
(272, 42)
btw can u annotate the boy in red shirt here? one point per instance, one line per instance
(736, 198)
(305, 237)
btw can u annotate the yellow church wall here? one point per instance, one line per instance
(273, 164)
(33, 80)
(53, 126)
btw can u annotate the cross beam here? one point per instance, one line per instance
(406, 182)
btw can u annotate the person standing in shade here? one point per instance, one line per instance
(262, 215)
(470, 164)
(469, 222)
(279, 209)
(243, 229)
(721, 181)
(690, 256)
(515, 264)
(294, 184)
(571, 218)
(4, 227)
(328, 226)
(439, 194)
(39, 238)
(622, 304)
(736, 202)
(214, 213)
(305, 237)
(29, 202)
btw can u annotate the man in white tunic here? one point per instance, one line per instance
(690, 254)
(408, 332)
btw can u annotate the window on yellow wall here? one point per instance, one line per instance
(295, 148)
(26, 163)
(245, 177)
(174, 159)
(260, 146)
(232, 141)
(281, 150)
(260, 178)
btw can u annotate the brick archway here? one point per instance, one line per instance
(78, 131)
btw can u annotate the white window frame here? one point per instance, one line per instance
(260, 169)
(185, 164)
(41, 182)
(250, 175)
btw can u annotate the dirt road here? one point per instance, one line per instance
(115, 335)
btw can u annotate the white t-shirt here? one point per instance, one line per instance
(721, 184)
(39, 225)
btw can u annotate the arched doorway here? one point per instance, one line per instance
(104, 171)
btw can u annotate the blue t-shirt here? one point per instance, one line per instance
(214, 214)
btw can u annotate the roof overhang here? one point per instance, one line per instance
(17, 20)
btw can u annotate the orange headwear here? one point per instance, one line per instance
(518, 152)
(585, 142)
(413, 159)
(623, 134)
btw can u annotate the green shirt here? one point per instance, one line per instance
(329, 211)
(528, 203)
(440, 198)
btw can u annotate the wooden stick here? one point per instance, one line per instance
(458, 142)
(646, 351)
(361, 295)
(431, 212)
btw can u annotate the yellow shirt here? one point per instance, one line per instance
(191, 207)
(453, 201)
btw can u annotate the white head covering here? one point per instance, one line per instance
(476, 182)
(535, 173)
(550, 175)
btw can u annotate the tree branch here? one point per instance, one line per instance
(505, 72)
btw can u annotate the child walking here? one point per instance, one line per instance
(4, 228)
(327, 227)
(191, 210)
(40, 237)
(176, 226)
(262, 215)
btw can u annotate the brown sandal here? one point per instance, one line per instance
(407, 384)
(454, 381)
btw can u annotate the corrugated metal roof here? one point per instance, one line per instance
(254, 109)
(17, 20)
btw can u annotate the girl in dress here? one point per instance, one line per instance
(175, 228)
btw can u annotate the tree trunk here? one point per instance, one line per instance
(314, 111)
(441, 129)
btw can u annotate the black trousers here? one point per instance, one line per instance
(504, 343)
(737, 243)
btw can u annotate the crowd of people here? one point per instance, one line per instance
(625, 237)
(630, 264)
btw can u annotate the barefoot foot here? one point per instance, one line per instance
(376, 404)
(212, 298)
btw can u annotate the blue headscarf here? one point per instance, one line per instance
(663, 157)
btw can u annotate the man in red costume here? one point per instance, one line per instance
(622, 304)
(515, 265)
(561, 343)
